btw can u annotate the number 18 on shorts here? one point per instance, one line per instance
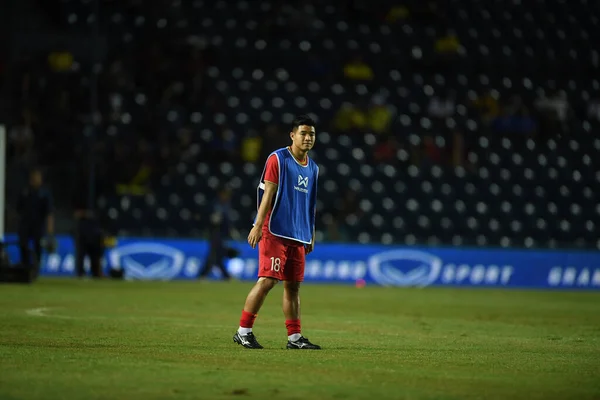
(280, 261)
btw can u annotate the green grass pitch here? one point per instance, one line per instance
(67, 339)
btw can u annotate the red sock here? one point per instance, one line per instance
(293, 326)
(247, 319)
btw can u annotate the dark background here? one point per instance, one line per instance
(439, 122)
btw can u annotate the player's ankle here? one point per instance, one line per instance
(244, 331)
(247, 320)
(294, 337)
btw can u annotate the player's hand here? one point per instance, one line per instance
(254, 236)
(310, 248)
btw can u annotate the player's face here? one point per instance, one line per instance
(303, 137)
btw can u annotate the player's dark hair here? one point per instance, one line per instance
(303, 120)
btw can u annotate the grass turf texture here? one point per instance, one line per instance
(62, 339)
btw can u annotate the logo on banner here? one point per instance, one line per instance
(404, 268)
(145, 260)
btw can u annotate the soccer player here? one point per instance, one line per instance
(284, 232)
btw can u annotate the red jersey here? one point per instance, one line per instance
(272, 175)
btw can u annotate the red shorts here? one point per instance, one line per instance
(279, 259)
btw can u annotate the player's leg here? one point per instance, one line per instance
(258, 294)
(37, 249)
(271, 254)
(208, 263)
(294, 275)
(291, 309)
(80, 252)
(254, 302)
(94, 253)
(221, 255)
(24, 247)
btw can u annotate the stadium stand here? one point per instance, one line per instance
(455, 123)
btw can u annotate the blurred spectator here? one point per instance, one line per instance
(89, 232)
(349, 207)
(556, 106)
(251, 147)
(447, 44)
(60, 61)
(186, 148)
(225, 146)
(459, 152)
(386, 149)
(220, 231)
(441, 107)
(379, 117)
(487, 105)
(36, 218)
(358, 70)
(336, 231)
(139, 183)
(396, 13)
(508, 122)
(432, 153)
(349, 117)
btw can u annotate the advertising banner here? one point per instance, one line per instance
(167, 259)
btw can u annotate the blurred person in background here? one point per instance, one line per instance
(386, 149)
(225, 146)
(358, 70)
(88, 233)
(251, 147)
(379, 115)
(220, 232)
(350, 117)
(487, 105)
(34, 208)
(432, 153)
(442, 106)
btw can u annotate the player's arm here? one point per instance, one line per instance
(265, 206)
(310, 247)
(266, 203)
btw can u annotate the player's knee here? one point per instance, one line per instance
(291, 287)
(266, 284)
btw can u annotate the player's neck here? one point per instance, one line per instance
(299, 155)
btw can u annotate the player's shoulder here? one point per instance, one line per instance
(281, 152)
(277, 154)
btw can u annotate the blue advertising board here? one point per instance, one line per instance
(166, 259)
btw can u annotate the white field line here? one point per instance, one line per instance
(44, 312)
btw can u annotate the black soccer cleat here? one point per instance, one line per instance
(302, 343)
(248, 340)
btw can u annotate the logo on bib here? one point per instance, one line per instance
(302, 181)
